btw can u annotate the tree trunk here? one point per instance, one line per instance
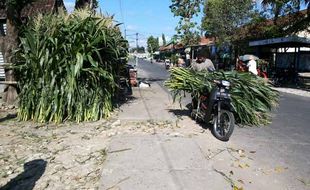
(11, 43)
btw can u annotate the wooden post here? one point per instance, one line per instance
(298, 60)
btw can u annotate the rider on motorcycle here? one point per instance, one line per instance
(201, 64)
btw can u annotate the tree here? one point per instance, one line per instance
(222, 17)
(283, 7)
(138, 50)
(164, 39)
(91, 4)
(186, 10)
(152, 44)
(13, 11)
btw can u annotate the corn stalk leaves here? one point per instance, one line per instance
(252, 97)
(68, 67)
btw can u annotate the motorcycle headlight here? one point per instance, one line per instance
(225, 83)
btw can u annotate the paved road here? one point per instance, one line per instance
(271, 157)
(291, 119)
(286, 139)
(156, 72)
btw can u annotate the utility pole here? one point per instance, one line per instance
(137, 39)
(125, 33)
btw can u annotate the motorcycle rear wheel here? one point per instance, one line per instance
(225, 128)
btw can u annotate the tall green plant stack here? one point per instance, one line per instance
(252, 97)
(69, 67)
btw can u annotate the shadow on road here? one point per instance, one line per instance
(180, 112)
(33, 171)
(151, 79)
(187, 113)
(126, 99)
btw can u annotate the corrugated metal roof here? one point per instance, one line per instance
(290, 41)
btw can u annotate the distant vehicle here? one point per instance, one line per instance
(148, 59)
(167, 63)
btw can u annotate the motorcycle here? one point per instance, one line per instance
(167, 64)
(215, 108)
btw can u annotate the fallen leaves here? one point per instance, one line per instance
(243, 165)
(239, 164)
(280, 169)
(303, 181)
(240, 181)
(237, 188)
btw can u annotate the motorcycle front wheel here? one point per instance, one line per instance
(223, 125)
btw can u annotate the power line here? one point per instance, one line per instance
(144, 33)
(137, 39)
(121, 10)
(122, 16)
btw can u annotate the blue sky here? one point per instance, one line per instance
(147, 17)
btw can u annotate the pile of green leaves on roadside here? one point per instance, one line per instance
(68, 67)
(252, 97)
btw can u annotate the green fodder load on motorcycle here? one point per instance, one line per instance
(252, 97)
(68, 67)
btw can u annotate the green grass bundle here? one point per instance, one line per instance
(68, 69)
(252, 97)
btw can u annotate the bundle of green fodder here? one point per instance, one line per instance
(68, 65)
(252, 97)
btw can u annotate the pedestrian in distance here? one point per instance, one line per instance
(252, 66)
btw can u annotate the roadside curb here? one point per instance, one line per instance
(297, 92)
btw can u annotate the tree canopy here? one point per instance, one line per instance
(277, 19)
(222, 18)
(138, 50)
(91, 4)
(186, 10)
(164, 39)
(152, 44)
(277, 8)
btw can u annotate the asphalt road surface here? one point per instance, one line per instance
(267, 157)
(286, 138)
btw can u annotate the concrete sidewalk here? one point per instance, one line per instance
(148, 103)
(195, 161)
(159, 162)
